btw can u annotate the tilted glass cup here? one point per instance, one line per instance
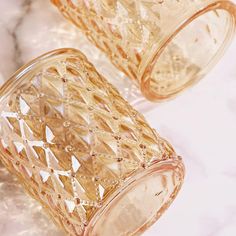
(82, 151)
(164, 45)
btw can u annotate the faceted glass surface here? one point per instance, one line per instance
(71, 139)
(164, 46)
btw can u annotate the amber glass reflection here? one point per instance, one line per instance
(165, 46)
(78, 147)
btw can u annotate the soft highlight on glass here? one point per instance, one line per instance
(164, 46)
(81, 150)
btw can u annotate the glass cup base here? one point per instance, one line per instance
(140, 203)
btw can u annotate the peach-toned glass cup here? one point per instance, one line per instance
(164, 45)
(82, 151)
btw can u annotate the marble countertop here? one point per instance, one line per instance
(201, 125)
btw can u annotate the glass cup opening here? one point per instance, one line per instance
(189, 54)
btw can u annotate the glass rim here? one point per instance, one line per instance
(149, 64)
(17, 77)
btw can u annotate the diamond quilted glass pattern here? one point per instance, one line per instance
(71, 139)
(163, 45)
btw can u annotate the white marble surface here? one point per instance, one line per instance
(201, 124)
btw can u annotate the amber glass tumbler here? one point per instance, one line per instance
(164, 45)
(82, 151)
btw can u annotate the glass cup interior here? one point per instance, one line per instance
(190, 53)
